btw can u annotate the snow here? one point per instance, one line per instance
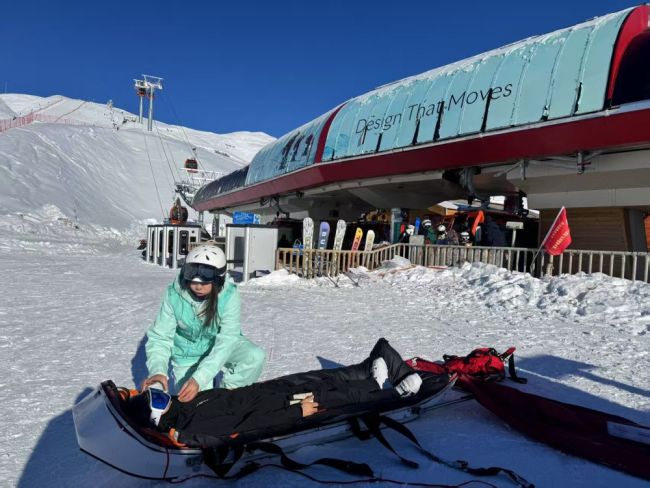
(77, 300)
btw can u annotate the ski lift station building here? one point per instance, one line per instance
(562, 117)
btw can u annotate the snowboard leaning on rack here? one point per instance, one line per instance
(358, 235)
(370, 240)
(339, 235)
(307, 233)
(323, 237)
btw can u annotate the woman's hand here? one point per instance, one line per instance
(157, 378)
(188, 391)
(309, 406)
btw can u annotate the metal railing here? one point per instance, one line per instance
(634, 266)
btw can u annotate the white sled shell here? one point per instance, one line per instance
(105, 435)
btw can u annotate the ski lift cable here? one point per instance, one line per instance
(176, 176)
(187, 139)
(153, 176)
(178, 122)
(170, 184)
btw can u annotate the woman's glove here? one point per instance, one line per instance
(157, 378)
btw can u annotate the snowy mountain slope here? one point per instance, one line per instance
(5, 111)
(98, 166)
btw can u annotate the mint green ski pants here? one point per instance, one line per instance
(242, 368)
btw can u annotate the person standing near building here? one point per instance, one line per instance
(428, 232)
(406, 235)
(198, 330)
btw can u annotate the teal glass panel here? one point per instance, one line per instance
(297, 157)
(304, 148)
(345, 130)
(372, 123)
(434, 99)
(349, 110)
(362, 126)
(332, 133)
(477, 95)
(455, 101)
(566, 77)
(506, 86)
(390, 134)
(595, 70)
(414, 109)
(536, 82)
(257, 165)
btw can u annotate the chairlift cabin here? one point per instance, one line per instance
(191, 165)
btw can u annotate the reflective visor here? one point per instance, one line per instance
(159, 402)
(204, 272)
(158, 399)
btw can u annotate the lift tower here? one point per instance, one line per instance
(151, 83)
(141, 91)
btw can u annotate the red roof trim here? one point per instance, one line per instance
(606, 131)
(320, 148)
(635, 24)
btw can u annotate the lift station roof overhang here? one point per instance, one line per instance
(584, 89)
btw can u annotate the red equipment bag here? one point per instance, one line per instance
(484, 363)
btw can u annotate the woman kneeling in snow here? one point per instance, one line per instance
(198, 330)
(277, 403)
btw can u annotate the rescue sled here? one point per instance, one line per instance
(106, 433)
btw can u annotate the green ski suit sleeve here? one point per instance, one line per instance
(227, 338)
(160, 338)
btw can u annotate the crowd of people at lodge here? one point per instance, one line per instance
(482, 230)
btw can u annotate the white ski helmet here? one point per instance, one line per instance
(426, 223)
(464, 237)
(442, 229)
(205, 263)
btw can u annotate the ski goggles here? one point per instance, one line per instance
(203, 272)
(159, 402)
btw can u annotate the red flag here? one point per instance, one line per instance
(559, 235)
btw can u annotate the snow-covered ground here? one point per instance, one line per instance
(76, 305)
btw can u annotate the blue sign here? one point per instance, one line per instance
(245, 218)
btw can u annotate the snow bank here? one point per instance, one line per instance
(51, 231)
(581, 298)
(279, 277)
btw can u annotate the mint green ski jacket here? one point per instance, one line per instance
(178, 333)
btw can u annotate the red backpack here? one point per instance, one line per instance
(485, 363)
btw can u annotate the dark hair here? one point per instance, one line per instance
(137, 409)
(210, 311)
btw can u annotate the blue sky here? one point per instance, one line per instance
(261, 66)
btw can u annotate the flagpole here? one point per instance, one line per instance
(532, 264)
